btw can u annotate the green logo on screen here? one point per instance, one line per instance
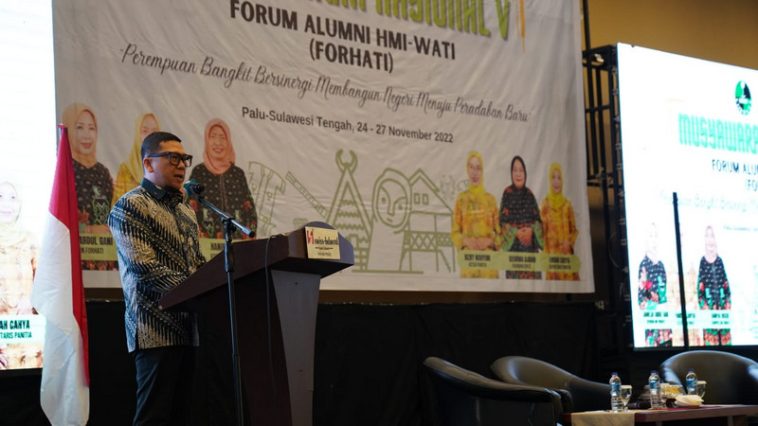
(743, 98)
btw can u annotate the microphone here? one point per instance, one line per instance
(193, 188)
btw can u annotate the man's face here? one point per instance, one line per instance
(161, 172)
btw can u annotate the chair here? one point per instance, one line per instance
(732, 379)
(465, 398)
(577, 394)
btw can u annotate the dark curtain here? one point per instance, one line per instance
(368, 360)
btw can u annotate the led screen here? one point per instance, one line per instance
(688, 127)
(27, 163)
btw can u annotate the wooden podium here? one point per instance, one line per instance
(277, 288)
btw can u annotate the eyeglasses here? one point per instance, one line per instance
(174, 158)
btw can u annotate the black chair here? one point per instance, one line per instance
(577, 394)
(732, 379)
(465, 398)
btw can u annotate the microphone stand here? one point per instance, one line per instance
(230, 223)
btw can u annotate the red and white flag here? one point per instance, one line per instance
(58, 294)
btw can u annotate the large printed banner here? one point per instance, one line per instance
(444, 139)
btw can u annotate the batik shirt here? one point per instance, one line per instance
(158, 248)
(713, 287)
(655, 283)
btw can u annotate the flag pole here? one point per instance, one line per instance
(58, 295)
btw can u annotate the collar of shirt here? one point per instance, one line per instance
(169, 196)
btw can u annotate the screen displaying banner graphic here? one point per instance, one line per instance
(27, 163)
(443, 139)
(689, 126)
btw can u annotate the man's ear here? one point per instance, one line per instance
(147, 164)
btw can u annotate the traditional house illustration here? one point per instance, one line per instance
(347, 213)
(411, 225)
(428, 231)
(265, 185)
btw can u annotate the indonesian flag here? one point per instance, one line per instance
(58, 294)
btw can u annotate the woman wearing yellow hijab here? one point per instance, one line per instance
(558, 222)
(475, 218)
(18, 262)
(130, 172)
(18, 255)
(225, 183)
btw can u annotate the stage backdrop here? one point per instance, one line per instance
(397, 122)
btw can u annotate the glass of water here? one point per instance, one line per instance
(700, 389)
(626, 395)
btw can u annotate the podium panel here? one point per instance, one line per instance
(276, 292)
(297, 301)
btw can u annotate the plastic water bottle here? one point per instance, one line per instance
(691, 381)
(654, 383)
(615, 382)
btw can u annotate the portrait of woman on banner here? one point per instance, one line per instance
(652, 280)
(18, 263)
(18, 255)
(94, 185)
(558, 222)
(225, 183)
(520, 220)
(652, 287)
(713, 291)
(475, 221)
(130, 172)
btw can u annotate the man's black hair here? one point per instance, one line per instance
(153, 141)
